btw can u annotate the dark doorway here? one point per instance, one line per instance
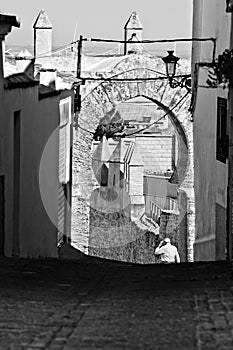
(16, 206)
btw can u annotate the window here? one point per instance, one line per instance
(221, 136)
(64, 140)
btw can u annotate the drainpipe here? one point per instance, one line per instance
(197, 32)
(196, 51)
(125, 43)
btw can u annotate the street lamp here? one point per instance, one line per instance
(171, 61)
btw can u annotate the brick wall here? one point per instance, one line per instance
(156, 152)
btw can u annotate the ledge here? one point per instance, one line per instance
(47, 91)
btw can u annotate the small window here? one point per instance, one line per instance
(221, 136)
(146, 119)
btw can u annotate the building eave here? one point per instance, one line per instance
(19, 80)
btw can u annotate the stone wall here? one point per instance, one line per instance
(184, 245)
(171, 225)
(121, 239)
(84, 182)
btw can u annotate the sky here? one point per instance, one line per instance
(161, 19)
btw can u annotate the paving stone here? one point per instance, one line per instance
(99, 304)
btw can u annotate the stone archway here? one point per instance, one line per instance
(98, 99)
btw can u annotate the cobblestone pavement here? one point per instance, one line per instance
(96, 304)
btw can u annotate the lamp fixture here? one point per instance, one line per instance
(171, 62)
(229, 5)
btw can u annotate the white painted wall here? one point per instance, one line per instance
(209, 20)
(39, 127)
(37, 233)
(43, 42)
(157, 189)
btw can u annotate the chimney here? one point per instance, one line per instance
(25, 62)
(48, 77)
(42, 35)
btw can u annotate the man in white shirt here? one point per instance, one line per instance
(168, 252)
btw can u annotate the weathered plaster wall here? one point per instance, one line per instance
(157, 189)
(210, 20)
(221, 232)
(136, 190)
(2, 178)
(204, 163)
(221, 210)
(186, 218)
(37, 233)
(1, 100)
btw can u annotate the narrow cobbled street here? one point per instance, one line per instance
(98, 304)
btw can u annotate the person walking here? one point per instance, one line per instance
(168, 253)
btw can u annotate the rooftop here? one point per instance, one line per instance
(9, 19)
(19, 80)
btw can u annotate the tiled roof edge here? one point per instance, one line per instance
(46, 91)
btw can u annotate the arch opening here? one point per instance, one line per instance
(121, 205)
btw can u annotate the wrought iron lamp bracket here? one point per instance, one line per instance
(184, 82)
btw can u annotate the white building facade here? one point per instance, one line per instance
(210, 110)
(35, 144)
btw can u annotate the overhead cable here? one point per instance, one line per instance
(146, 41)
(170, 110)
(147, 127)
(133, 79)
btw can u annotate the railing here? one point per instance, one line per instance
(155, 211)
(171, 204)
(163, 203)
